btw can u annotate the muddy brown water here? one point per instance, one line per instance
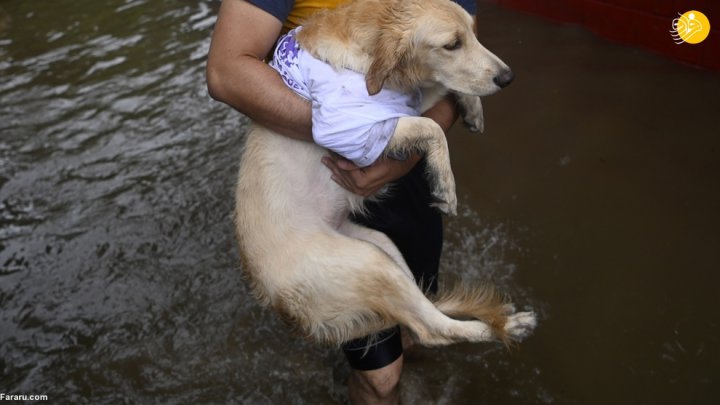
(592, 198)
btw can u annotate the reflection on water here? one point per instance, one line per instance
(119, 279)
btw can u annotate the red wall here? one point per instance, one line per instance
(642, 23)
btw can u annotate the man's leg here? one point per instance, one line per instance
(376, 364)
(376, 386)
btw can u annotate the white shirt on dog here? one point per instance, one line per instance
(345, 118)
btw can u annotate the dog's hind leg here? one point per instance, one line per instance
(419, 134)
(407, 305)
(356, 289)
(428, 325)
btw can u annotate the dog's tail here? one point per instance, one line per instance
(480, 302)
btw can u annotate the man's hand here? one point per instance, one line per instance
(368, 180)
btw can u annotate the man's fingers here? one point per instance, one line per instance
(339, 176)
(361, 181)
(343, 163)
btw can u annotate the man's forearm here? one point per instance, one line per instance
(444, 113)
(261, 95)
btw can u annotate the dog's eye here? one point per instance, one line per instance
(456, 44)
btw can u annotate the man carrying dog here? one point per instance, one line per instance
(237, 75)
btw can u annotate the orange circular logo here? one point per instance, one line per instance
(691, 27)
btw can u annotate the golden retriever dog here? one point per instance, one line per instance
(331, 278)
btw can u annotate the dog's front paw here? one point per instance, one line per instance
(474, 124)
(445, 201)
(472, 112)
(519, 325)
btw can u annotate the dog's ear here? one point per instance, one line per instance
(385, 59)
(390, 52)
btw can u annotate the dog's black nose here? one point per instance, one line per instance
(504, 78)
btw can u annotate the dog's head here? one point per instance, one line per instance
(432, 41)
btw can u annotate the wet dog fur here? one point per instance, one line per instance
(336, 280)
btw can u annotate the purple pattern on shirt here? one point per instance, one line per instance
(286, 58)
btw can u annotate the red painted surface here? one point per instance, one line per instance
(642, 23)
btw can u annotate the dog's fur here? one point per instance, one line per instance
(332, 278)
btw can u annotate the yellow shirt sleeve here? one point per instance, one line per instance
(305, 8)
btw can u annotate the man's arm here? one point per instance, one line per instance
(236, 74)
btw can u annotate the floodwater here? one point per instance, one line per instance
(592, 197)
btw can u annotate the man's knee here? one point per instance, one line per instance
(378, 385)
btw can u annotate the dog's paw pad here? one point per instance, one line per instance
(520, 325)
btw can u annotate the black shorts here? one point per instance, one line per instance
(416, 229)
